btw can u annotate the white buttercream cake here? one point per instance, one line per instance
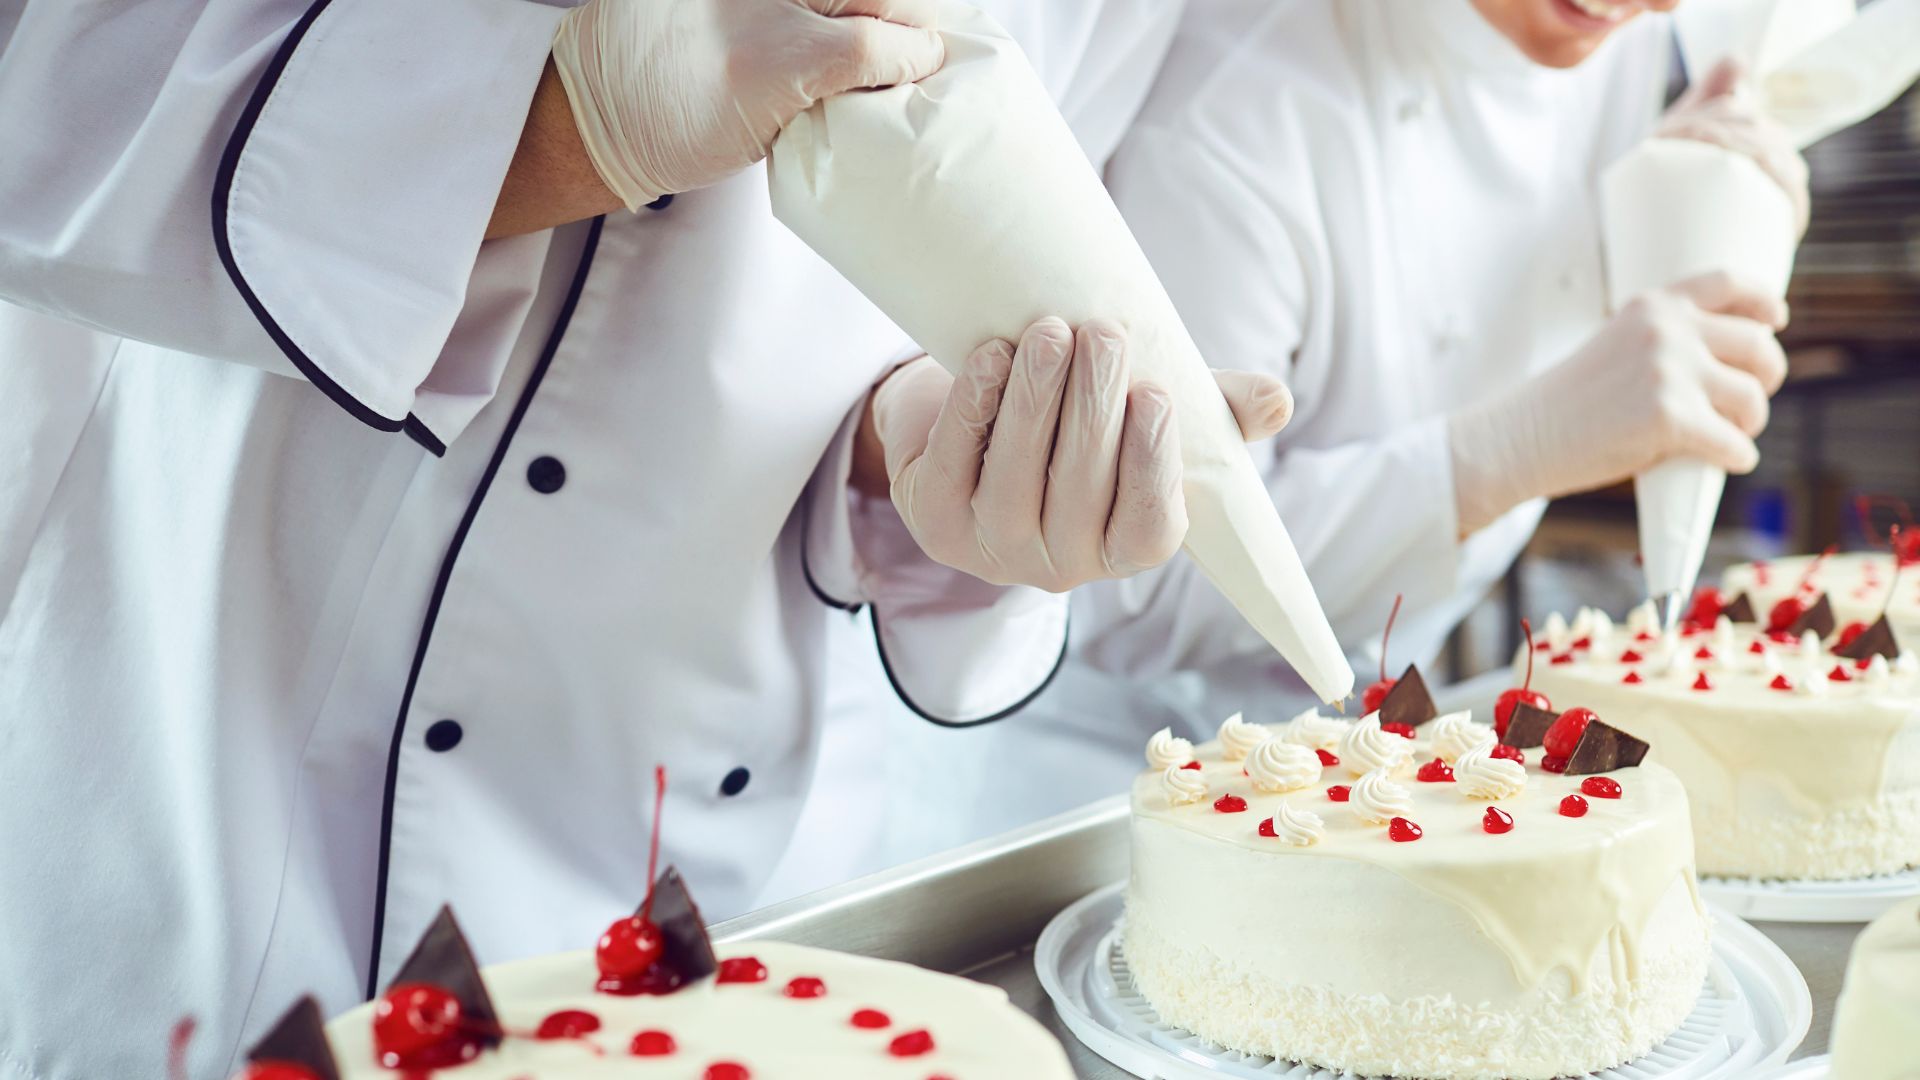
(1800, 762)
(1876, 1025)
(1331, 893)
(1859, 584)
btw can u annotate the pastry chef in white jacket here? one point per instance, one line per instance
(1394, 206)
(352, 563)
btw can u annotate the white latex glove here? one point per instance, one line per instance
(1685, 370)
(1724, 110)
(1046, 465)
(672, 95)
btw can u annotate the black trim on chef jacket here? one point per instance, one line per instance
(440, 590)
(222, 192)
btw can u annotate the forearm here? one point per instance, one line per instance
(552, 181)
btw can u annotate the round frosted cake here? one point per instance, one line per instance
(1859, 585)
(1875, 1036)
(773, 1011)
(1340, 894)
(1799, 746)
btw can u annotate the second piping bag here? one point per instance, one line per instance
(1674, 208)
(964, 209)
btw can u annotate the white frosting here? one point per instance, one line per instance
(1278, 765)
(1456, 733)
(1166, 748)
(1562, 947)
(1183, 786)
(975, 1030)
(1377, 800)
(1480, 775)
(1875, 1036)
(1557, 632)
(1297, 826)
(1643, 619)
(1238, 738)
(1312, 729)
(1365, 747)
(1820, 782)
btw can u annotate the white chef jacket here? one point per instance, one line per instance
(1386, 204)
(350, 565)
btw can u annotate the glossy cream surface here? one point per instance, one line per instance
(1876, 1025)
(977, 1033)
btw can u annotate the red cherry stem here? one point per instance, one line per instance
(1814, 568)
(177, 1047)
(1526, 627)
(653, 852)
(1387, 634)
(1894, 533)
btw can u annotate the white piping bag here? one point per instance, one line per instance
(1674, 208)
(964, 209)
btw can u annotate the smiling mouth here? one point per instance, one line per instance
(1602, 9)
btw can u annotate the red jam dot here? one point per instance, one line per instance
(1583, 643)
(1757, 646)
(652, 1044)
(1701, 682)
(1601, 787)
(1553, 763)
(1266, 828)
(1405, 731)
(742, 969)
(871, 1018)
(726, 1070)
(1703, 653)
(1435, 772)
(1403, 831)
(567, 1024)
(1781, 682)
(1191, 765)
(1632, 678)
(1645, 635)
(1561, 658)
(1511, 753)
(1573, 806)
(806, 986)
(1339, 792)
(1327, 758)
(1542, 646)
(1631, 656)
(1839, 674)
(1229, 804)
(1496, 821)
(1863, 663)
(912, 1044)
(413, 1023)
(273, 1070)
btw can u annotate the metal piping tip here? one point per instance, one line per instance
(1673, 607)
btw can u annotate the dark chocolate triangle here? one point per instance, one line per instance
(689, 951)
(1818, 618)
(300, 1038)
(1876, 640)
(1527, 726)
(1740, 610)
(1408, 702)
(444, 959)
(1604, 748)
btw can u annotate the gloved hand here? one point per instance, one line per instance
(672, 95)
(1723, 109)
(1685, 370)
(1046, 465)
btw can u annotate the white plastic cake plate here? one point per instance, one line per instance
(1853, 900)
(1753, 1010)
(1813, 1068)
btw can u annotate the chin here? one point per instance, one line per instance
(1562, 33)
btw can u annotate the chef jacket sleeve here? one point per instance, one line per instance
(1372, 515)
(297, 185)
(958, 650)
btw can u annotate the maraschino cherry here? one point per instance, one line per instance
(418, 1026)
(634, 944)
(1565, 733)
(1372, 696)
(276, 1070)
(1790, 607)
(1524, 694)
(1705, 609)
